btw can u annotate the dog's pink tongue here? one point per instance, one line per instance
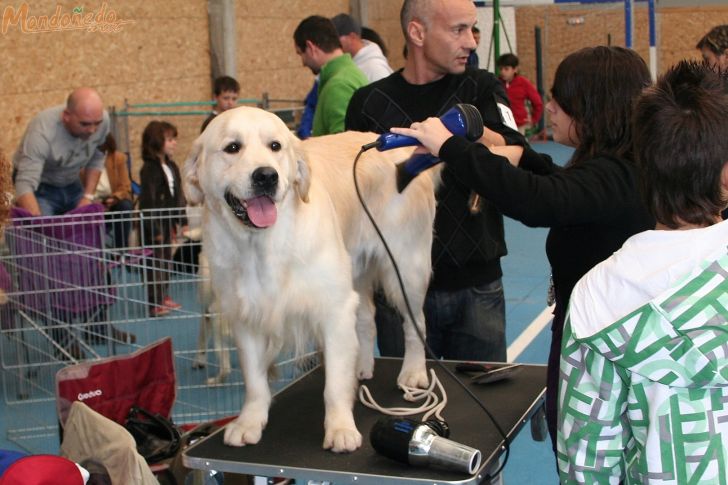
(262, 211)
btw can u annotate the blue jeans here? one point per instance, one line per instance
(467, 324)
(54, 201)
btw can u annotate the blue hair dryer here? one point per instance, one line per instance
(462, 120)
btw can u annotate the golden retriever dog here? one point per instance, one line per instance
(293, 256)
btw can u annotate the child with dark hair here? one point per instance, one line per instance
(643, 388)
(227, 91)
(593, 204)
(162, 203)
(519, 90)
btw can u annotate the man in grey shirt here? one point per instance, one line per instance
(57, 144)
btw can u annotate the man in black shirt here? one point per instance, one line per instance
(465, 307)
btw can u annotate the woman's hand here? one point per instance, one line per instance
(431, 133)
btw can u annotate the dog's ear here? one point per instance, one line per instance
(192, 188)
(302, 181)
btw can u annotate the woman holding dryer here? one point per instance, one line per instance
(593, 204)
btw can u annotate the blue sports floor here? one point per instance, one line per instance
(525, 280)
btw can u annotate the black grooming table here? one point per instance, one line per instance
(291, 443)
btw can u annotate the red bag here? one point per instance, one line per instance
(111, 386)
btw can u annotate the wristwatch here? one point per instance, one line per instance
(89, 197)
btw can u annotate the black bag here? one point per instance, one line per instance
(157, 438)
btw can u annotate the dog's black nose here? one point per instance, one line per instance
(265, 178)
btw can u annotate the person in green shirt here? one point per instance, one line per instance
(317, 42)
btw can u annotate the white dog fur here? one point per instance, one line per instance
(311, 270)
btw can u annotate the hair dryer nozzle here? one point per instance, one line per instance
(418, 444)
(408, 170)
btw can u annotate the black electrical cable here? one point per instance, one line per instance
(428, 350)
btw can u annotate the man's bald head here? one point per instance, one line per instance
(420, 10)
(84, 112)
(84, 99)
(439, 37)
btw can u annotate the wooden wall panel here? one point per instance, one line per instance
(384, 18)
(267, 60)
(162, 53)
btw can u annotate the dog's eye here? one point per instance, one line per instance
(275, 146)
(232, 147)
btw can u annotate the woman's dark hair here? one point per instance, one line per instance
(153, 138)
(109, 145)
(596, 87)
(681, 145)
(373, 36)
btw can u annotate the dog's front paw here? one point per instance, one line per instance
(342, 440)
(413, 377)
(243, 432)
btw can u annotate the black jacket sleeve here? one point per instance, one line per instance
(491, 94)
(545, 197)
(150, 184)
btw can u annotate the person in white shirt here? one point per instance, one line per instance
(367, 55)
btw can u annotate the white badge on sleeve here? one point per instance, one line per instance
(507, 116)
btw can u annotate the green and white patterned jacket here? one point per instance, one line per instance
(645, 399)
